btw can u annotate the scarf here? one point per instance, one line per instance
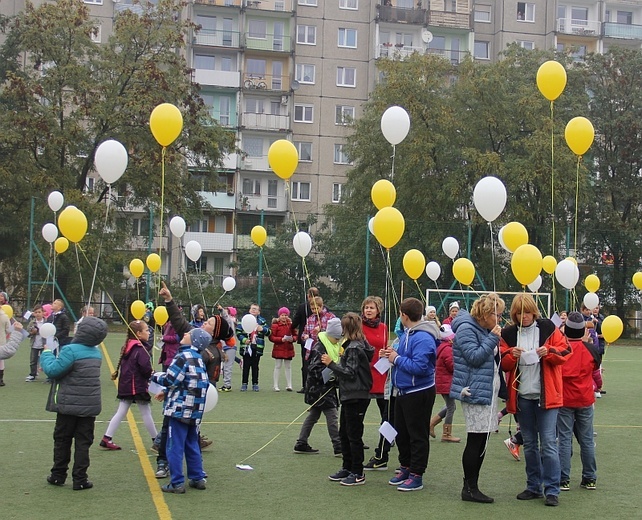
(333, 349)
(371, 323)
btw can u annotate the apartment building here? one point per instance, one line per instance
(302, 69)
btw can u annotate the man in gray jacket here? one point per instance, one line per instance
(75, 397)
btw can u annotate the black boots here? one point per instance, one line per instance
(471, 493)
(1, 377)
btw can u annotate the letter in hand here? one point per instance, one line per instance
(325, 359)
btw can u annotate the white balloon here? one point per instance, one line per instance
(229, 283)
(193, 250)
(450, 247)
(567, 274)
(535, 284)
(47, 330)
(433, 270)
(395, 124)
(370, 224)
(500, 237)
(248, 322)
(591, 300)
(489, 197)
(302, 244)
(110, 160)
(55, 200)
(211, 398)
(50, 232)
(177, 226)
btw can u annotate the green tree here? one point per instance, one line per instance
(62, 95)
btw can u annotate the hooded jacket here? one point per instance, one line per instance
(282, 349)
(577, 374)
(414, 368)
(353, 370)
(321, 394)
(474, 360)
(559, 350)
(135, 370)
(76, 371)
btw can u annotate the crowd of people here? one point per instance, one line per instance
(548, 373)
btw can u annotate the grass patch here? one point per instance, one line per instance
(288, 486)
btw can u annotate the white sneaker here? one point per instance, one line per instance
(277, 389)
(598, 395)
(29, 379)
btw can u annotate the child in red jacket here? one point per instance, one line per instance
(283, 336)
(443, 379)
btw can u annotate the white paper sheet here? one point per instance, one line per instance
(308, 344)
(387, 430)
(530, 357)
(326, 374)
(382, 365)
(555, 318)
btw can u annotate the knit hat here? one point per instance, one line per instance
(90, 332)
(574, 327)
(333, 328)
(200, 339)
(284, 310)
(231, 311)
(446, 332)
(453, 305)
(430, 308)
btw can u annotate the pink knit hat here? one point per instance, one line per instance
(284, 310)
(231, 311)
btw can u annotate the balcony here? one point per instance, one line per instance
(245, 242)
(391, 14)
(273, 122)
(211, 242)
(255, 163)
(259, 202)
(449, 20)
(219, 200)
(455, 57)
(217, 78)
(267, 42)
(221, 3)
(270, 5)
(397, 51)
(267, 82)
(211, 38)
(622, 31)
(578, 27)
(140, 243)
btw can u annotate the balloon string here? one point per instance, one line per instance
(267, 268)
(553, 179)
(53, 280)
(100, 247)
(162, 216)
(82, 286)
(421, 294)
(492, 254)
(392, 171)
(577, 198)
(217, 301)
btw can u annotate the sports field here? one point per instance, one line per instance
(284, 485)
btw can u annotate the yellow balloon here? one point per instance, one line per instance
(388, 226)
(8, 310)
(160, 316)
(464, 271)
(579, 134)
(414, 263)
(283, 158)
(549, 264)
(138, 309)
(612, 328)
(72, 223)
(592, 283)
(166, 123)
(526, 263)
(259, 235)
(61, 245)
(136, 268)
(551, 79)
(514, 235)
(572, 259)
(383, 194)
(153, 262)
(637, 280)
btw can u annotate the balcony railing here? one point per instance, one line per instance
(211, 242)
(267, 42)
(222, 3)
(262, 202)
(388, 13)
(578, 27)
(272, 122)
(141, 243)
(255, 163)
(217, 78)
(449, 19)
(266, 82)
(623, 31)
(210, 38)
(245, 242)
(397, 51)
(270, 5)
(455, 57)
(218, 199)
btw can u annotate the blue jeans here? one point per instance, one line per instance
(538, 427)
(580, 421)
(182, 439)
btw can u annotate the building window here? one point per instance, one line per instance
(336, 192)
(305, 73)
(273, 190)
(224, 110)
(255, 67)
(257, 29)
(625, 17)
(348, 4)
(306, 34)
(339, 156)
(525, 44)
(301, 191)
(525, 12)
(579, 16)
(253, 146)
(95, 2)
(348, 38)
(207, 23)
(482, 13)
(204, 62)
(303, 113)
(252, 187)
(305, 151)
(482, 50)
(313, 3)
(344, 115)
(346, 77)
(140, 227)
(199, 226)
(89, 183)
(96, 34)
(254, 106)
